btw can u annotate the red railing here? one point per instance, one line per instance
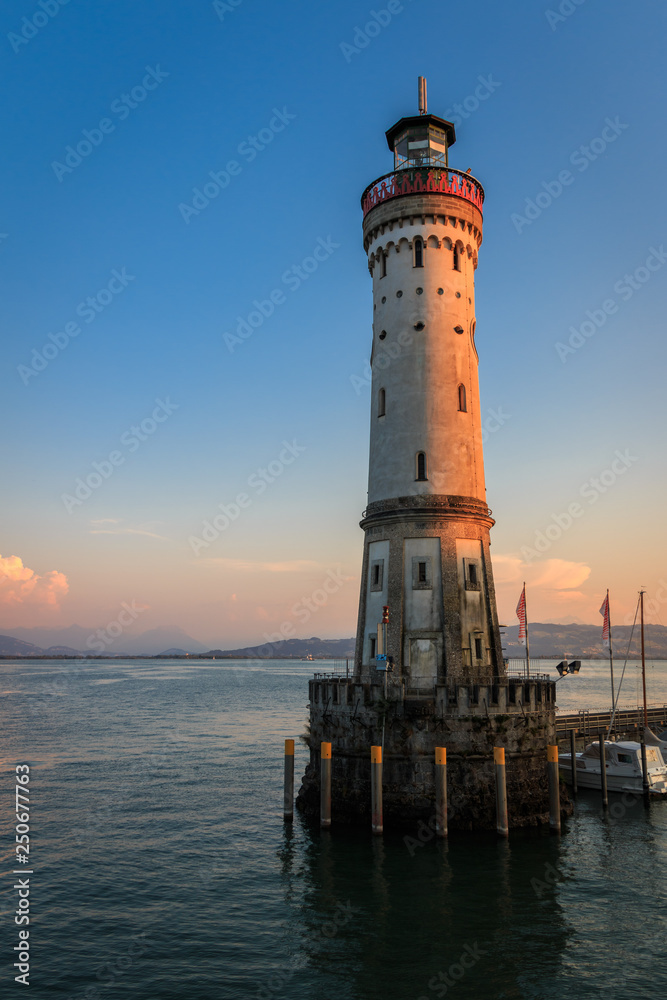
(422, 180)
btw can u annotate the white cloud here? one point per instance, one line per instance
(20, 586)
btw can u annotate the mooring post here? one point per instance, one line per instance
(603, 773)
(288, 805)
(325, 784)
(645, 784)
(502, 825)
(376, 789)
(441, 792)
(573, 760)
(554, 789)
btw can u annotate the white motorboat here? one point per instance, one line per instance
(623, 763)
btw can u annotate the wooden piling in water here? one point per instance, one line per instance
(288, 802)
(554, 789)
(325, 785)
(441, 792)
(645, 783)
(502, 823)
(573, 760)
(376, 789)
(603, 772)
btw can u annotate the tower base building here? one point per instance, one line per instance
(429, 669)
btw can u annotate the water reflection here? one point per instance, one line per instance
(468, 918)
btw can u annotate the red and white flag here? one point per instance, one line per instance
(604, 611)
(521, 615)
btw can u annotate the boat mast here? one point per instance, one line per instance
(527, 639)
(641, 619)
(611, 658)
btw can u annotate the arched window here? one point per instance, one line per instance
(457, 259)
(419, 251)
(381, 402)
(421, 467)
(462, 398)
(383, 265)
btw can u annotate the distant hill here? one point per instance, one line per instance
(75, 638)
(292, 649)
(9, 646)
(584, 641)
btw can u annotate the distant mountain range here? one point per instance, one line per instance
(149, 643)
(584, 641)
(546, 640)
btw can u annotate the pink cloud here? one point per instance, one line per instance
(21, 586)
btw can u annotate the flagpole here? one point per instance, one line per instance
(611, 658)
(611, 672)
(527, 642)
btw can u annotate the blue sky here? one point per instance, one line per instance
(222, 75)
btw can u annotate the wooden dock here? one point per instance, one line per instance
(628, 723)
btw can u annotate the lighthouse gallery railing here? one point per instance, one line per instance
(422, 180)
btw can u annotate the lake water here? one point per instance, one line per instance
(162, 869)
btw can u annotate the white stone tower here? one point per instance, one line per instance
(426, 552)
(427, 523)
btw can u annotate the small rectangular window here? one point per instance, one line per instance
(471, 574)
(377, 573)
(373, 640)
(383, 265)
(478, 649)
(421, 573)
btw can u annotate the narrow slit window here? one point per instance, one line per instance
(421, 572)
(373, 640)
(383, 265)
(419, 252)
(462, 399)
(381, 402)
(478, 649)
(472, 574)
(457, 259)
(421, 467)
(376, 574)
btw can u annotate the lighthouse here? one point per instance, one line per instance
(427, 522)
(429, 670)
